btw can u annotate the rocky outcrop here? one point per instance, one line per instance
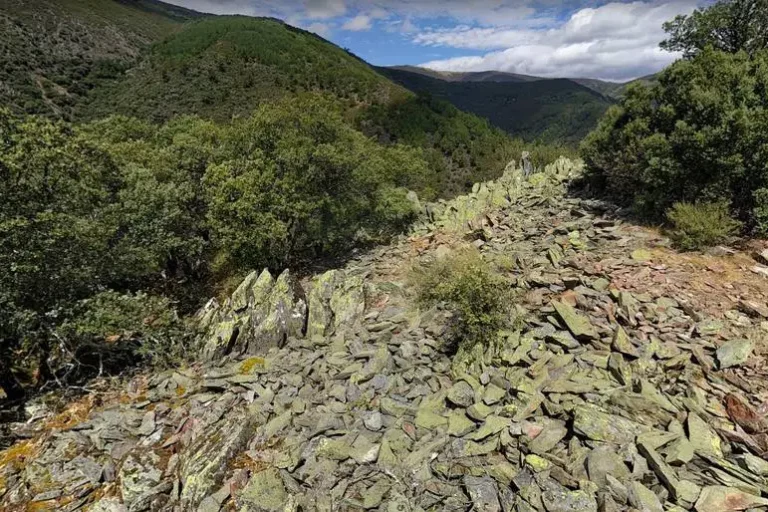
(264, 312)
(622, 387)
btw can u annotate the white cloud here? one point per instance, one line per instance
(487, 12)
(616, 41)
(408, 26)
(324, 9)
(321, 29)
(358, 23)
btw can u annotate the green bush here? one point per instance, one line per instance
(699, 134)
(478, 296)
(296, 182)
(700, 225)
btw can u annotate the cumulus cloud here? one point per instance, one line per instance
(489, 12)
(324, 9)
(321, 29)
(403, 26)
(358, 23)
(616, 41)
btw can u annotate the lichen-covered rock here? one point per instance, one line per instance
(139, 474)
(262, 313)
(335, 299)
(599, 426)
(284, 314)
(718, 498)
(734, 353)
(204, 463)
(702, 437)
(642, 498)
(578, 324)
(484, 493)
(557, 498)
(265, 492)
(461, 394)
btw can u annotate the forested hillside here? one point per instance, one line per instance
(225, 66)
(53, 52)
(548, 109)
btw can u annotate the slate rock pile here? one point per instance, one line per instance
(338, 393)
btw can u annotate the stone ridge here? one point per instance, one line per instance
(340, 396)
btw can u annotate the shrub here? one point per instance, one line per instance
(699, 225)
(478, 296)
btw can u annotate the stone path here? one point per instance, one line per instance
(625, 389)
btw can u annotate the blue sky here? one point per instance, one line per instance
(609, 40)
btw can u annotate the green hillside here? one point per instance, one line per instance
(225, 66)
(547, 109)
(52, 52)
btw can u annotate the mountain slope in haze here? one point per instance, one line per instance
(609, 89)
(52, 52)
(614, 90)
(547, 109)
(468, 76)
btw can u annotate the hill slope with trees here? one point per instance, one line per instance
(53, 52)
(691, 147)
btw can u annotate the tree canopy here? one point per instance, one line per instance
(728, 25)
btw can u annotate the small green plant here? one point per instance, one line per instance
(699, 225)
(479, 296)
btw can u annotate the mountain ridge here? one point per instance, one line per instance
(342, 389)
(610, 89)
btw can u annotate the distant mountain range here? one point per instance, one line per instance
(610, 89)
(549, 109)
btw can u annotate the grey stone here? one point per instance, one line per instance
(483, 493)
(548, 438)
(734, 353)
(603, 461)
(373, 420)
(579, 325)
(461, 394)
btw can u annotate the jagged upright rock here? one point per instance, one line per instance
(335, 299)
(282, 313)
(204, 463)
(262, 313)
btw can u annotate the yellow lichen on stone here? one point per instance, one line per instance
(18, 454)
(536, 463)
(252, 363)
